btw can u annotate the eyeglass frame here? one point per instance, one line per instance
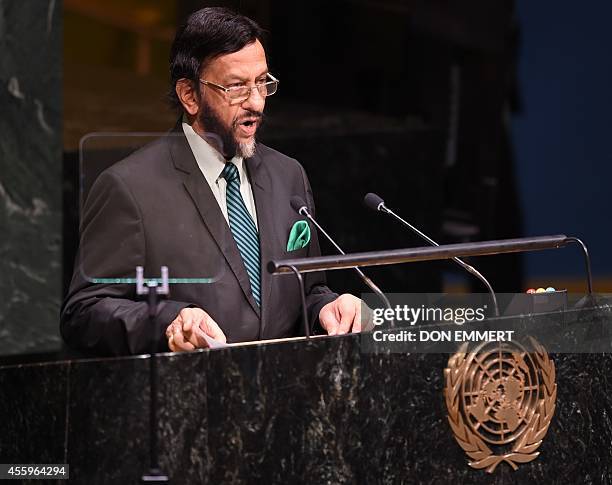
(235, 88)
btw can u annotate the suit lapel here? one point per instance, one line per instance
(210, 212)
(261, 185)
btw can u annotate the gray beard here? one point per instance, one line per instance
(246, 150)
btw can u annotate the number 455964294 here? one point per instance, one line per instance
(37, 470)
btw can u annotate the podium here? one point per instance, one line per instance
(300, 411)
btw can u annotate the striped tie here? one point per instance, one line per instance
(243, 229)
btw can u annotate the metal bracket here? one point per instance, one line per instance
(300, 280)
(143, 288)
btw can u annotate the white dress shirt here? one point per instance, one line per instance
(211, 164)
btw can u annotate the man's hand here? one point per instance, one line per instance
(342, 315)
(182, 334)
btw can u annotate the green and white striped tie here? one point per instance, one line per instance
(243, 229)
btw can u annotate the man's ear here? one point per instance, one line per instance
(188, 96)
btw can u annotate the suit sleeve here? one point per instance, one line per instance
(315, 284)
(105, 318)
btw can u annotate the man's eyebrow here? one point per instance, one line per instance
(235, 78)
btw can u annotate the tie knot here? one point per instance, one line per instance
(230, 172)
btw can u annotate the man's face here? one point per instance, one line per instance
(235, 124)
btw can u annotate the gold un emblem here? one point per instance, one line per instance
(500, 401)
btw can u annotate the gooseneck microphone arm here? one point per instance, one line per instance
(587, 261)
(376, 203)
(301, 208)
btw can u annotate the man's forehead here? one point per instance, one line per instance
(245, 63)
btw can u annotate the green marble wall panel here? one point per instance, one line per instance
(30, 175)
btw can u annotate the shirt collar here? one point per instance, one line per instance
(208, 158)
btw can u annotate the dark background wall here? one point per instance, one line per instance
(562, 138)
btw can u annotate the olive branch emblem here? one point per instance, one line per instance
(535, 420)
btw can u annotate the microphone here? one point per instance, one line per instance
(298, 205)
(377, 204)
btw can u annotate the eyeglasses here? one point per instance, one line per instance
(239, 94)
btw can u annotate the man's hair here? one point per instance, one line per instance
(207, 34)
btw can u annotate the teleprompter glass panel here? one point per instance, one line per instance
(144, 202)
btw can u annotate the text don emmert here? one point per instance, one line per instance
(466, 336)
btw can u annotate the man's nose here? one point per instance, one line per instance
(255, 101)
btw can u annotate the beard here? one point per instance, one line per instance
(222, 136)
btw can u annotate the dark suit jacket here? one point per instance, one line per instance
(156, 209)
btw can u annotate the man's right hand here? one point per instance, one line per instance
(182, 334)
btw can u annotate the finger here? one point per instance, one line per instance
(183, 346)
(179, 341)
(188, 319)
(171, 345)
(357, 324)
(328, 319)
(211, 328)
(177, 345)
(177, 321)
(173, 327)
(190, 334)
(347, 315)
(192, 339)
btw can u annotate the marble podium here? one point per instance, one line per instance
(301, 411)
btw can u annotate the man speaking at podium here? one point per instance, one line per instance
(207, 191)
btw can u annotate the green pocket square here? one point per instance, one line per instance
(299, 236)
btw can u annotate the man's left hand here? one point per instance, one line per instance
(343, 315)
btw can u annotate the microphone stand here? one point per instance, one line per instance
(306, 213)
(469, 268)
(152, 289)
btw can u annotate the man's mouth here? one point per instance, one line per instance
(248, 126)
(249, 122)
